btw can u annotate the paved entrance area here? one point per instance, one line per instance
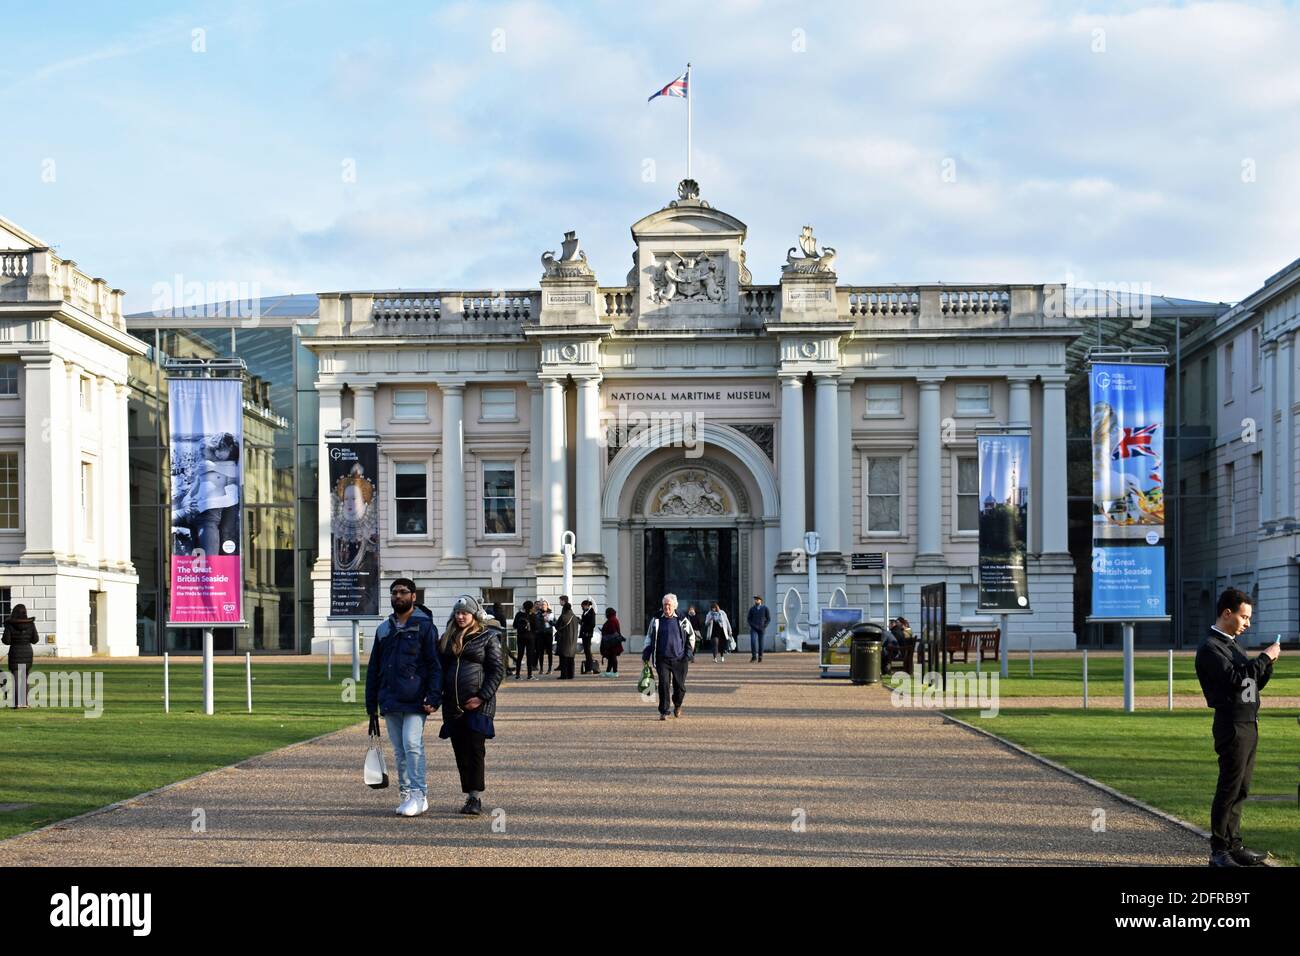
(767, 765)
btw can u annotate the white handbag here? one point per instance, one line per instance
(376, 772)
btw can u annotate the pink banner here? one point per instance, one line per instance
(206, 589)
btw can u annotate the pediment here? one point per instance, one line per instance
(691, 220)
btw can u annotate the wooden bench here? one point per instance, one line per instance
(985, 642)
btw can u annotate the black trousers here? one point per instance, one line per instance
(611, 663)
(1235, 743)
(527, 649)
(545, 646)
(470, 753)
(586, 650)
(672, 683)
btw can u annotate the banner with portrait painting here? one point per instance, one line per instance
(207, 480)
(354, 529)
(1128, 492)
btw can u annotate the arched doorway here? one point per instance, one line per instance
(725, 504)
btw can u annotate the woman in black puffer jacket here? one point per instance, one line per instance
(472, 670)
(20, 634)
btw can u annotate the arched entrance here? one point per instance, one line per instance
(705, 528)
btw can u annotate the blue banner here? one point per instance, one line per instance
(1004, 466)
(1128, 582)
(1128, 491)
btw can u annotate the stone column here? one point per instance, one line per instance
(1268, 506)
(1286, 446)
(848, 529)
(122, 556)
(77, 532)
(108, 517)
(453, 476)
(45, 459)
(363, 410)
(553, 464)
(792, 463)
(1054, 491)
(929, 503)
(1018, 405)
(826, 460)
(331, 420)
(535, 455)
(588, 466)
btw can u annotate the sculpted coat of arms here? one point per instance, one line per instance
(689, 495)
(689, 279)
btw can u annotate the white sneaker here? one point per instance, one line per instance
(405, 797)
(416, 804)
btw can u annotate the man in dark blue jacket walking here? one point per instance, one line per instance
(669, 648)
(404, 681)
(758, 619)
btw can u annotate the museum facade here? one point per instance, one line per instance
(688, 428)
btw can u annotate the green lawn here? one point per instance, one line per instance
(64, 763)
(1166, 759)
(1060, 675)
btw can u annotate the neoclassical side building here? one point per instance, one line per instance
(689, 426)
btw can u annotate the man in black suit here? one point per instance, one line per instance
(1231, 682)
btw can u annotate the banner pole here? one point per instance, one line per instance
(1128, 667)
(167, 684)
(1002, 644)
(1171, 678)
(1085, 678)
(356, 650)
(207, 671)
(248, 679)
(329, 657)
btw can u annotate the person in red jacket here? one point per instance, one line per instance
(611, 641)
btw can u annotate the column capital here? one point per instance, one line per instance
(1269, 346)
(451, 388)
(846, 383)
(551, 381)
(928, 382)
(1055, 381)
(363, 387)
(827, 376)
(791, 379)
(1020, 381)
(588, 380)
(1287, 340)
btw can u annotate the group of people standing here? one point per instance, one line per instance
(540, 632)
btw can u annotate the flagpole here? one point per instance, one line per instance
(690, 98)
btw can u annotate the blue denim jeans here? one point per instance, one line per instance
(406, 731)
(755, 642)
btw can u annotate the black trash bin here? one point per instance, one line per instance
(865, 644)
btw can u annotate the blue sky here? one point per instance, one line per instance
(999, 142)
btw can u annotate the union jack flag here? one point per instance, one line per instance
(1135, 442)
(677, 87)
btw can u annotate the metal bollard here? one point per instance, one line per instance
(1085, 678)
(1171, 679)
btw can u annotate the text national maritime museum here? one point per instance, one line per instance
(683, 429)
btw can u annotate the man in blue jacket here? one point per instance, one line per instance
(669, 648)
(404, 681)
(758, 619)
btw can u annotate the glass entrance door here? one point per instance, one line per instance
(699, 565)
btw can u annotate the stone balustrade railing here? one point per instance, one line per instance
(867, 307)
(38, 275)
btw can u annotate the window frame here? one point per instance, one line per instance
(397, 536)
(955, 457)
(957, 410)
(866, 404)
(18, 376)
(20, 458)
(513, 460)
(396, 419)
(483, 417)
(1256, 359)
(1229, 373)
(866, 454)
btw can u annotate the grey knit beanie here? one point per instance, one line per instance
(468, 604)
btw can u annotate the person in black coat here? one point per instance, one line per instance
(20, 634)
(586, 631)
(1231, 682)
(566, 638)
(472, 670)
(524, 644)
(544, 634)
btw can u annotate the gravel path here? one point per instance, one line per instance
(767, 765)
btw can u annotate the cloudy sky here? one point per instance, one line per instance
(312, 146)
